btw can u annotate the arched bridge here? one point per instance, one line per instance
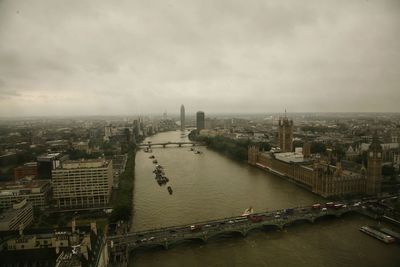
(165, 144)
(203, 231)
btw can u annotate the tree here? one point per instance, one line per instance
(120, 213)
(317, 147)
(265, 146)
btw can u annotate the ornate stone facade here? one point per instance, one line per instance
(374, 177)
(285, 134)
(319, 176)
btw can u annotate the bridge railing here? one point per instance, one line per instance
(165, 236)
(227, 219)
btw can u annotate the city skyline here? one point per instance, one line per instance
(102, 58)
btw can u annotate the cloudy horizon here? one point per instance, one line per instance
(69, 58)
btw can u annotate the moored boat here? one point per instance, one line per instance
(390, 232)
(377, 234)
(248, 211)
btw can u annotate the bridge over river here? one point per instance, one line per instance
(121, 245)
(165, 144)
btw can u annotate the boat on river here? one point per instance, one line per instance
(248, 211)
(169, 190)
(377, 234)
(388, 231)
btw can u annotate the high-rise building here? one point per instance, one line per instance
(83, 183)
(182, 117)
(374, 170)
(200, 120)
(108, 132)
(48, 162)
(285, 134)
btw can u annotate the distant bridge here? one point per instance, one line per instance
(165, 144)
(121, 245)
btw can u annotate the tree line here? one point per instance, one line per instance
(233, 148)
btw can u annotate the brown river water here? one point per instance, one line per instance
(210, 186)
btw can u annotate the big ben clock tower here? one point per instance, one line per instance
(374, 171)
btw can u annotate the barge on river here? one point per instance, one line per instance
(377, 234)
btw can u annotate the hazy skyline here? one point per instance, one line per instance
(136, 57)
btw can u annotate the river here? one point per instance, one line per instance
(211, 186)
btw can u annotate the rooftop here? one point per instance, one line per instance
(49, 156)
(10, 213)
(290, 157)
(85, 164)
(9, 187)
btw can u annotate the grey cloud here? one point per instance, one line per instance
(148, 56)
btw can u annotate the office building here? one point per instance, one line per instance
(200, 120)
(48, 162)
(36, 192)
(182, 117)
(27, 170)
(85, 183)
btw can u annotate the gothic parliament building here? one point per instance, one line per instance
(317, 174)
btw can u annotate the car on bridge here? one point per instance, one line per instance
(195, 228)
(316, 206)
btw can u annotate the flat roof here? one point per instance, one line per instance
(290, 157)
(22, 184)
(84, 164)
(49, 156)
(10, 213)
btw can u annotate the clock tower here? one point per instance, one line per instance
(285, 134)
(374, 171)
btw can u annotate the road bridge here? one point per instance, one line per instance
(165, 144)
(121, 245)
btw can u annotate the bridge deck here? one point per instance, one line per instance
(169, 143)
(207, 229)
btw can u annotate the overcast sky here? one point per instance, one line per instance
(130, 57)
